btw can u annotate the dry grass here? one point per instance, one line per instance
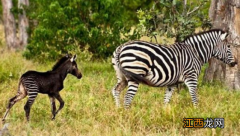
(90, 109)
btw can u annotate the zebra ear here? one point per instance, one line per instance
(224, 36)
(73, 58)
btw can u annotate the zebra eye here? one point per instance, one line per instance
(228, 46)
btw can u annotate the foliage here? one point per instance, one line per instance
(173, 19)
(57, 27)
(61, 26)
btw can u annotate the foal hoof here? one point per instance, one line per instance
(53, 118)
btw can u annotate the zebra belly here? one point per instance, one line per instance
(162, 75)
(157, 75)
(160, 79)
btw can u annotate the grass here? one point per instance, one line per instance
(90, 109)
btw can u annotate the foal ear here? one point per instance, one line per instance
(68, 55)
(73, 58)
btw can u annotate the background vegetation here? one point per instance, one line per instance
(93, 29)
(61, 26)
(64, 26)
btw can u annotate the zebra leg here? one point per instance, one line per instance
(132, 90)
(53, 106)
(192, 86)
(28, 105)
(20, 95)
(168, 94)
(121, 84)
(59, 98)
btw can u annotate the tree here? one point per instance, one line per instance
(13, 39)
(225, 14)
(173, 18)
(23, 22)
(9, 24)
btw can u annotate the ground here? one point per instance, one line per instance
(90, 108)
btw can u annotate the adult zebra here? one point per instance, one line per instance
(155, 65)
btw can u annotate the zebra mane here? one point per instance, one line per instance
(60, 62)
(200, 33)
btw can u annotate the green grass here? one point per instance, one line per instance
(90, 109)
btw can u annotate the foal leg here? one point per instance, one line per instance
(132, 90)
(59, 98)
(20, 95)
(53, 106)
(168, 94)
(30, 101)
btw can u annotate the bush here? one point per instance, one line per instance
(173, 19)
(64, 26)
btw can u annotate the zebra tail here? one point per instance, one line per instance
(136, 77)
(131, 75)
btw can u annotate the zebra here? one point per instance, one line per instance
(50, 82)
(155, 65)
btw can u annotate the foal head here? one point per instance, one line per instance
(73, 68)
(68, 62)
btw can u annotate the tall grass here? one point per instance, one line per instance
(90, 109)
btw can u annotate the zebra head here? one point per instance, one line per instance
(223, 52)
(73, 68)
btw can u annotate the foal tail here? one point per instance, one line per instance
(21, 93)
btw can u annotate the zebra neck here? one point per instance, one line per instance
(204, 43)
(201, 55)
(201, 50)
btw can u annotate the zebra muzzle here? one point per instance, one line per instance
(232, 64)
(79, 76)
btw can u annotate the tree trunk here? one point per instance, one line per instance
(9, 24)
(225, 14)
(23, 23)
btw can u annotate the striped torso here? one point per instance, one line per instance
(161, 65)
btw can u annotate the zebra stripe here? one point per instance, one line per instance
(155, 65)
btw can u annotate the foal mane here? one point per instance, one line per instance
(60, 62)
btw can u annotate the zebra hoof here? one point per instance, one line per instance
(126, 107)
(195, 106)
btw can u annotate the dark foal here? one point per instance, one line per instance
(50, 82)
